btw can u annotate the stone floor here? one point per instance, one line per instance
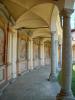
(32, 86)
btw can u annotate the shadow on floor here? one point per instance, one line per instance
(32, 86)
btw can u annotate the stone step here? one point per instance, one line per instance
(3, 86)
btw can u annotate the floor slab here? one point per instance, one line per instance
(33, 85)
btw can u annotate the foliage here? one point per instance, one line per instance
(73, 80)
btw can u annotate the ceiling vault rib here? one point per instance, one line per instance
(6, 13)
(40, 17)
(29, 8)
(17, 3)
(40, 37)
(31, 28)
(35, 14)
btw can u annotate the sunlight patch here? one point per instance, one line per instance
(74, 67)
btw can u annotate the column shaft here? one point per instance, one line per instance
(42, 53)
(56, 49)
(53, 58)
(66, 56)
(60, 56)
(39, 53)
(28, 55)
(31, 54)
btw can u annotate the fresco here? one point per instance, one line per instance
(47, 54)
(22, 50)
(1, 46)
(35, 51)
(35, 55)
(22, 55)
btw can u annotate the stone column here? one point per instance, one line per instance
(42, 53)
(60, 56)
(27, 53)
(56, 49)
(9, 55)
(14, 54)
(31, 54)
(66, 93)
(52, 76)
(39, 52)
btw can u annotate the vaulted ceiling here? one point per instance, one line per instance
(34, 15)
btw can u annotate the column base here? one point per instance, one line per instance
(52, 78)
(65, 95)
(14, 75)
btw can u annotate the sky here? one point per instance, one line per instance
(73, 19)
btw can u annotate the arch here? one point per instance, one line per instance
(30, 19)
(1, 23)
(56, 24)
(55, 13)
(5, 14)
(45, 39)
(41, 32)
(32, 10)
(43, 2)
(27, 5)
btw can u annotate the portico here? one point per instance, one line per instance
(31, 33)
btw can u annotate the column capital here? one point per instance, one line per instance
(56, 41)
(55, 35)
(31, 39)
(53, 32)
(66, 12)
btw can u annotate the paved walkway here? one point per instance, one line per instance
(32, 86)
